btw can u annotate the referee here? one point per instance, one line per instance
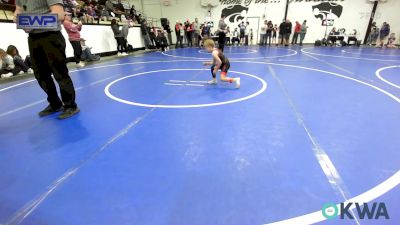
(47, 51)
(221, 33)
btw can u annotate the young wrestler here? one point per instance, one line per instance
(220, 61)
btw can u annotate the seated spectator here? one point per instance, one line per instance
(87, 55)
(109, 7)
(332, 38)
(102, 13)
(93, 3)
(391, 41)
(119, 9)
(7, 65)
(20, 65)
(352, 38)
(80, 13)
(90, 14)
(162, 41)
(132, 22)
(235, 37)
(68, 5)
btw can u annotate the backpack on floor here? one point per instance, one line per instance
(130, 48)
(317, 43)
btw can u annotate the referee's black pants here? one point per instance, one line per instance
(47, 51)
(221, 40)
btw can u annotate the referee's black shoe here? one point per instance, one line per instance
(68, 112)
(49, 111)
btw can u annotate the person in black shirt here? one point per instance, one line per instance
(221, 33)
(132, 12)
(270, 27)
(162, 41)
(287, 32)
(281, 32)
(167, 28)
(152, 33)
(119, 9)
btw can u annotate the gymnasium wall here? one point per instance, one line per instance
(348, 14)
(100, 37)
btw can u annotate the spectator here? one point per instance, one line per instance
(391, 41)
(303, 32)
(74, 37)
(125, 30)
(246, 34)
(206, 32)
(84, 15)
(352, 38)
(242, 27)
(145, 33)
(68, 5)
(235, 37)
(152, 33)
(332, 37)
(167, 28)
(121, 47)
(102, 13)
(373, 34)
(287, 32)
(119, 9)
(297, 30)
(270, 27)
(7, 68)
(93, 3)
(20, 65)
(132, 12)
(251, 36)
(109, 7)
(274, 31)
(281, 32)
(179, 34)
(80, 13)
(228, 36)
(87, 53)
(196, 32)
(162, 40)
(263, 33)
(90, 14)
(383, 35)
(189, 31)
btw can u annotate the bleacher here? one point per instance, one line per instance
(7, 13)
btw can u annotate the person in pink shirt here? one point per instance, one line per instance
(297, 30)
(74, 37)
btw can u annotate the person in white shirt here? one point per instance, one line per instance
(246, 34)
(228, 36)
(263, 36)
